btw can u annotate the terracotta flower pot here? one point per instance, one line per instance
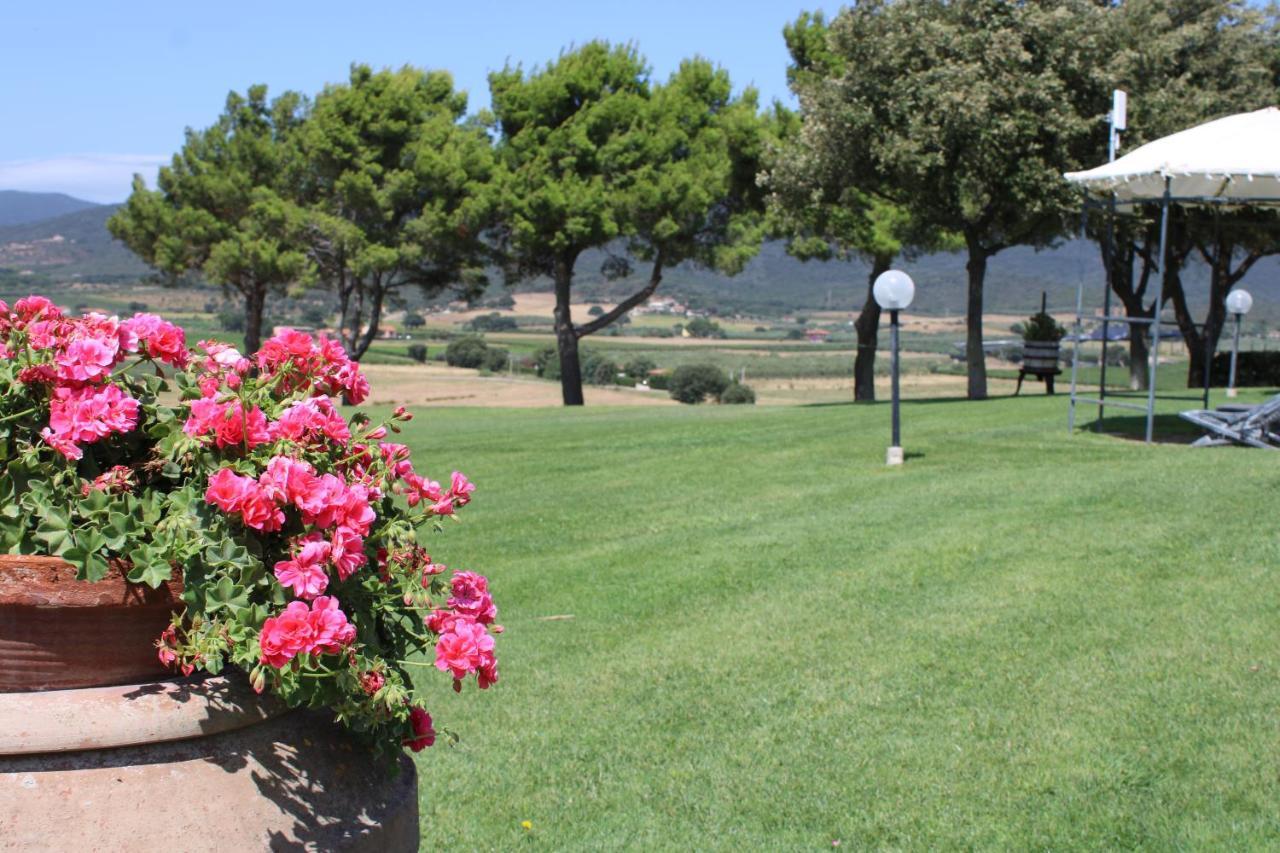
(57, 632)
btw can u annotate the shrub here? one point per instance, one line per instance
(761, 329)
(597, 369)
(737, 394)
(138, 307)
(660, 381)
(546, 363)
(231, 321)
(496, 360)
(1253, 369)
(701, 327)
(494, 322)
(639, 367)
(1041, 327)
(466, 352)
(414, 321)
(595, 311)
(693, 383)
(795, 334)
(418, 352)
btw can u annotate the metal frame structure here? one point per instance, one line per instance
(1255, 158)
(1167, 199)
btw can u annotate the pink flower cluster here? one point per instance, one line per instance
(322, 629)
(465, 646)
(308, 421)
(84, 407)
(161, 340)
(228, 421)
(443, 502)
(324, 501)
(86, 414)
(297, 360)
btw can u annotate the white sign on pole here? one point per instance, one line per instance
(1119, 109)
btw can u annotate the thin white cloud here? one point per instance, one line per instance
(94, 177)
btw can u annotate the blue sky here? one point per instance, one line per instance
(93, 92)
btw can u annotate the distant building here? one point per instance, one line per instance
(663, 305)
(816, 336)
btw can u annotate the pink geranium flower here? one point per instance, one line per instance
(332, 631)
(461, 488)
(471, 597)
(286, 636)
(466, 648)
(424, 734)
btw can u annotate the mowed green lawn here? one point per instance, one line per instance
(764, 638)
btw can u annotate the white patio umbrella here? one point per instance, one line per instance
(1233, 158)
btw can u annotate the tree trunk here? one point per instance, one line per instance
(566, 337)
(1139, 352)
(1132, 296)
(377, 292)
(867, 326)
(255, 297)
(975, 355)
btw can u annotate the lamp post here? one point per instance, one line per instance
(1238, 303)
(893, 291)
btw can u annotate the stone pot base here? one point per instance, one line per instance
(291, 781)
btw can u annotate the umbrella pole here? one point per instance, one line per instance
(1159, 306)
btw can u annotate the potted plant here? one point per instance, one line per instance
(220, 513)
(1040, 342)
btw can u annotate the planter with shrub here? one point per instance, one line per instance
(219, 516)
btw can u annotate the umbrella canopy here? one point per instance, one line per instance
(1236, 158)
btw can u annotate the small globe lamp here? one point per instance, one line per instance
(893, 291)
(1238, 304)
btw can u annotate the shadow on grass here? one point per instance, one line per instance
(909, 401)
(1166, 429)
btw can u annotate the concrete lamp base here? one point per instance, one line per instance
(894, 456)
(1231, 393)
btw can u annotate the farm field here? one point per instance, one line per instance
(734, 628)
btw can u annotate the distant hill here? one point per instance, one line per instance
(18, 207)
(774, 282)
(74, 246)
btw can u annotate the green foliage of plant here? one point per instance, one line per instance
(599, 369)
(593, 151)
(702, 327)
(639, 367)
(398, 190)
(414, 320)
(469, 351)
(737, 394)
(595, 311)
(494, 322)
(694, 383)
(1042, 327)
(960, 116)
(223, 206)
(418, 352)
(496, 360)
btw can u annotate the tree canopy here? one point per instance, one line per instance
(593, 154)
(398, 188)
(965, 114)
(223, 205)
